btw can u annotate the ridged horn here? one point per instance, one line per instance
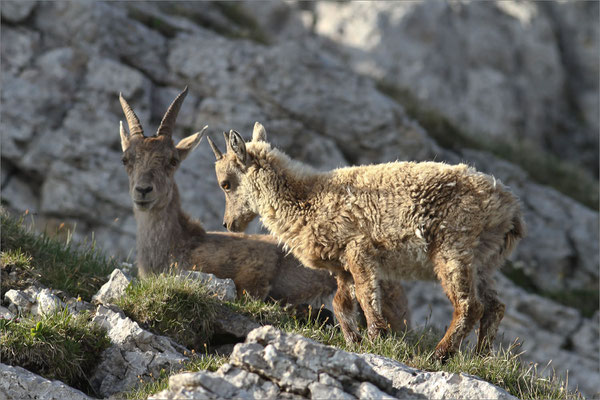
(215, 149)
(168, 122)
(135, 128)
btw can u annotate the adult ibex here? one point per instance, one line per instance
(373, 226)
(166, 236)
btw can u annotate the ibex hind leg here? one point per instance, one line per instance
(456, 277)
(493, 312)
(345, 307)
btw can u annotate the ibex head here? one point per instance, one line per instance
(232, 168)
(151, 161)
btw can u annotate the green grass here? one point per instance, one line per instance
(179, 308)
(415, 348)
(543, 167)
(57, 346)
(78, 270)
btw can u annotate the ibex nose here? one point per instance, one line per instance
(144, 190)
(224, 225)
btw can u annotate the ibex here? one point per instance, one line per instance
(167, 236)
(375, 225)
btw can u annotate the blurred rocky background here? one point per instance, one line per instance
(510, 87)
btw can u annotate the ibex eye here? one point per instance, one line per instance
(225, 185)
(174, 162)
(124, 160)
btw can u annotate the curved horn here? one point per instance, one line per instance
(215, 149)
(168, 122)
(135, 128)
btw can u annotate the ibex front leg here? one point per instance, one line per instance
(345, 307)
(368, 292)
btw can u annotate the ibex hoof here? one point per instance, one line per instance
(441, 353)
(375, 331)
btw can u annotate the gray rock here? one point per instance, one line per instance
(435, 385)
(18, 383)
(136, 354)
(113, 289)
(5, 313)
(46, 302)
(274, 364)
(19, 301)
(223, 289)
(16, 11)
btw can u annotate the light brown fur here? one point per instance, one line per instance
(166, 236)
(376, 225)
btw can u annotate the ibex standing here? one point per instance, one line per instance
(375, 225)
(167, 236)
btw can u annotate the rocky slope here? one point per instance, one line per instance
(63, 65)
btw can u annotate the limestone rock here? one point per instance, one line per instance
(19, 301)
(17, 10)
(135, 354)
(274, 364)
(223, 289)
(113, 289)
(18, 383)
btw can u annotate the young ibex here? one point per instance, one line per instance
(167, 236)
(375, 225)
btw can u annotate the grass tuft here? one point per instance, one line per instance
(543, 167)
(57, 346)
(168, 305)
(78, 270)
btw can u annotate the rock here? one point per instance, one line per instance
(435, 385)
(494, 68)
(136, 354)
(19, 301)
(16, 11)
(229, 323)
(18, 383)
(223, 289)
(113, 289)
(5, 313)
(46, 303)
(274, 364)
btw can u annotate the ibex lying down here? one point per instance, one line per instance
(166, 235)
(372, 225)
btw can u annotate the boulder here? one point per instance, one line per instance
(275, 364)
(113, 289)
(18, 383)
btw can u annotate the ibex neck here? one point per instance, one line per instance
(283, 193)
(162, 234)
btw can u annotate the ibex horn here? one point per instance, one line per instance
(168, 121)
(213, 146)
(135, 128)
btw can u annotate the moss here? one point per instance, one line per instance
(542, 167)
(57, 346)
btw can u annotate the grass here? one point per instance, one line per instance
(57, 346)
(78, 270)
(413, 348)
(179, 308)
(543, 167)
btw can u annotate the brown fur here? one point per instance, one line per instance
(379, 224)
(166, 236)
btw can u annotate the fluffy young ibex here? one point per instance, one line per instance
(166, 235)
(375, 225)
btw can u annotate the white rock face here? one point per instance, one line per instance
(18, 383)
(275, 364)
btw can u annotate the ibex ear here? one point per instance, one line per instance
(237, 145)
(259, 134)
(185, 146)
(124, 137)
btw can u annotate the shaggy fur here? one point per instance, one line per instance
(376, 225)
(166, 236)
